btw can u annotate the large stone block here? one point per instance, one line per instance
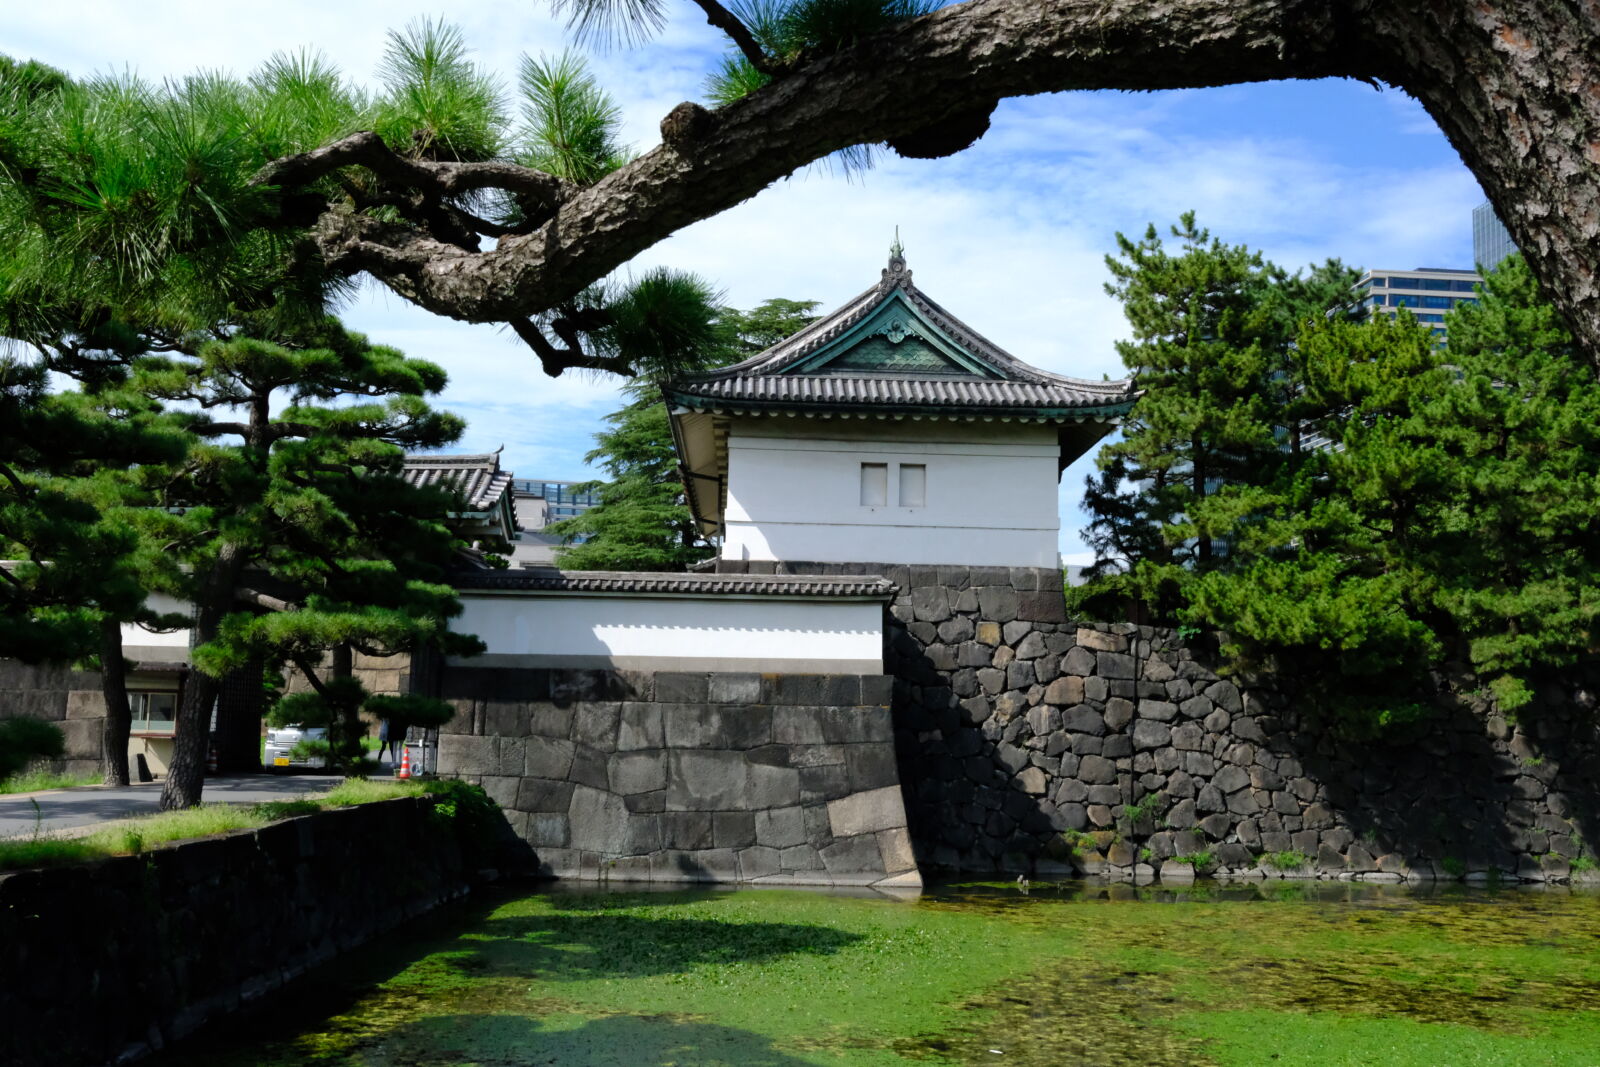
(543, 795)
(637, 772)
(460, 754)
(599, 821)
(1150, 734)
(544, 757)
(865, 813)
(772, 787)
(1044, 605)
(998, 603)
(1096, 770)
(733, 829)
(545, 719)
(871, 766)
(781, 827)
(796, 726)
(689, 830)
(734, 687)
(595, 725)
(853, 857)
(1065, 690)
(675, 687)
(707, 780)
(639, 726)
(1114, 665)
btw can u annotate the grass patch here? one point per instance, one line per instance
(1286, 861)
(140, 834)
(35, 781)
(1197, 860)
(365, 791)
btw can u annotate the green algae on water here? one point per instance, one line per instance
(1077, 974)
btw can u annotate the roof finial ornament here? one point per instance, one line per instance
(896, 273)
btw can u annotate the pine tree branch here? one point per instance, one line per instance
(432, 178)
(555, 360)
(724, 20)
(923, 73)
(263, 600)
(310, 671)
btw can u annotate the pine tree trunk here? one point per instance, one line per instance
(191, 734)
(114, 689)
(344, 723)
(1515, 86)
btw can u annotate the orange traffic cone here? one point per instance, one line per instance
(405, 762)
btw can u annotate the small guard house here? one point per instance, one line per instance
(888, 431)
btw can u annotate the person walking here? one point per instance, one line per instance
(389, 746)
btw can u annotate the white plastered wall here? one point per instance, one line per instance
(141, 644)
(794, 492)
(674, 633)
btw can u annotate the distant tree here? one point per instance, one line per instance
(1220, 405)
(642, 521)
(1450, 516)
(1324, 570)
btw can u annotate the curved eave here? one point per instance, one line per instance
(965, 413)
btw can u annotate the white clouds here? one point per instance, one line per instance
(1009, 235)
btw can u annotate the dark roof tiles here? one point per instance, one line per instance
(790, 585)
(478, 478)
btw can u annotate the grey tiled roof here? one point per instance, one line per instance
(786, 585)
(775, 377)
(477, 478)
(955, 394)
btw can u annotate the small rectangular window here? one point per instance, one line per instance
(913, 485)
(874, 485)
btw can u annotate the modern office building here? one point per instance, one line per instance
(539, 502)
(1490, 241)
(1428, 292)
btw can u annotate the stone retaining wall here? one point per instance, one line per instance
(723, 777)
(110, 960)
(70, 699)
(1027, 742)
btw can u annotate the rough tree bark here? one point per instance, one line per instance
(114, 689)
(1514, 84)
(191, 731)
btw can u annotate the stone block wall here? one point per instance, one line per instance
(1028, 743)
(722, 777)
(109, 960)
(70, 699)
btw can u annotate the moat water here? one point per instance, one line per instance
(1079, 973)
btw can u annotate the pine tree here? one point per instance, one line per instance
(301, 538)
(1323, 571)
(1210, 323)
(1515, 557)
(642, 521)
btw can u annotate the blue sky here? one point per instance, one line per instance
(1010, 235)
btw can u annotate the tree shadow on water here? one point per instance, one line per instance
(620, 1040)
(582, 946)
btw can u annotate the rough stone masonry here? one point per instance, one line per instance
(1029, 743)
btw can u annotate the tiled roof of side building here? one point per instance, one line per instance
(856, 587)
(478, 478)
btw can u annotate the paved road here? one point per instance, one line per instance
(63, 809)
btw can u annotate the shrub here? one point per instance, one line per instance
(25, 739)
(474, 819)
(1286, 861)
